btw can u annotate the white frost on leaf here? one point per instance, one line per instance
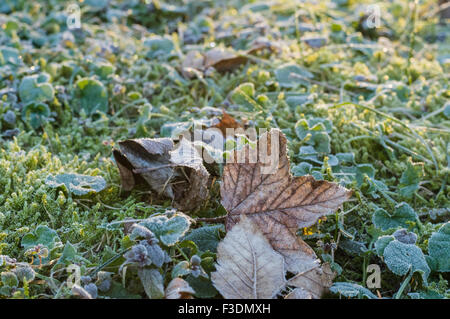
(247, 266)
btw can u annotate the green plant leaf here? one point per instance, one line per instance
(447, 110)
(168, 230)
(363, 170)
(77, 184)
(152, 281)
(24, 272)
(402, 214)
(381, 244)
(117, 291)
(202, 286)
(401, 258)
(189, 247)
(322, 142)
(45, 236)
(349, 289)
(290, 75)
(439, 248)
(181, 269)
(206, 238)
(302, 169)
(243, 95)
(104, 69)
(353, 247)
(9, 56)
(35, 114)
(69, 256)
(409, 182)
(42, 235)
(428, 294)
(158, 46)
(318, 129)
(92, 96)
(9, 279)
(36, 88)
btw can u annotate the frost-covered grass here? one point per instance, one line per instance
(374, 113)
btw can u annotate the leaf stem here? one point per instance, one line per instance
(182, 253)
(109, 261)
(219, 219)
(404, 284)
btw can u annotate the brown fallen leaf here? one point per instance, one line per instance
(247, 266)
(278, 203)
(193, 60)
(298, 293)
(179, 289)
(218, 58)
(150, 159)
(173, 171)
(260, 44)
(314, 283)
(227, 121)
(223, 60)
(192, 193)
(127, 177)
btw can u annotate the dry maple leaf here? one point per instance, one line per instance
(179, 289)
(247, 266)
(278, 202)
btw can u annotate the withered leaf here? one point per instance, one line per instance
(193, 61)
(195, 190)
(227, 121)
(260, 44)
(127, 177)
(298, 293)
(161, 164)
(312, 283)
(247, 266)
(148, 157)
(275, 200)
(179, 289)
(223, 60)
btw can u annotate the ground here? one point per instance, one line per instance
(361, 97)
